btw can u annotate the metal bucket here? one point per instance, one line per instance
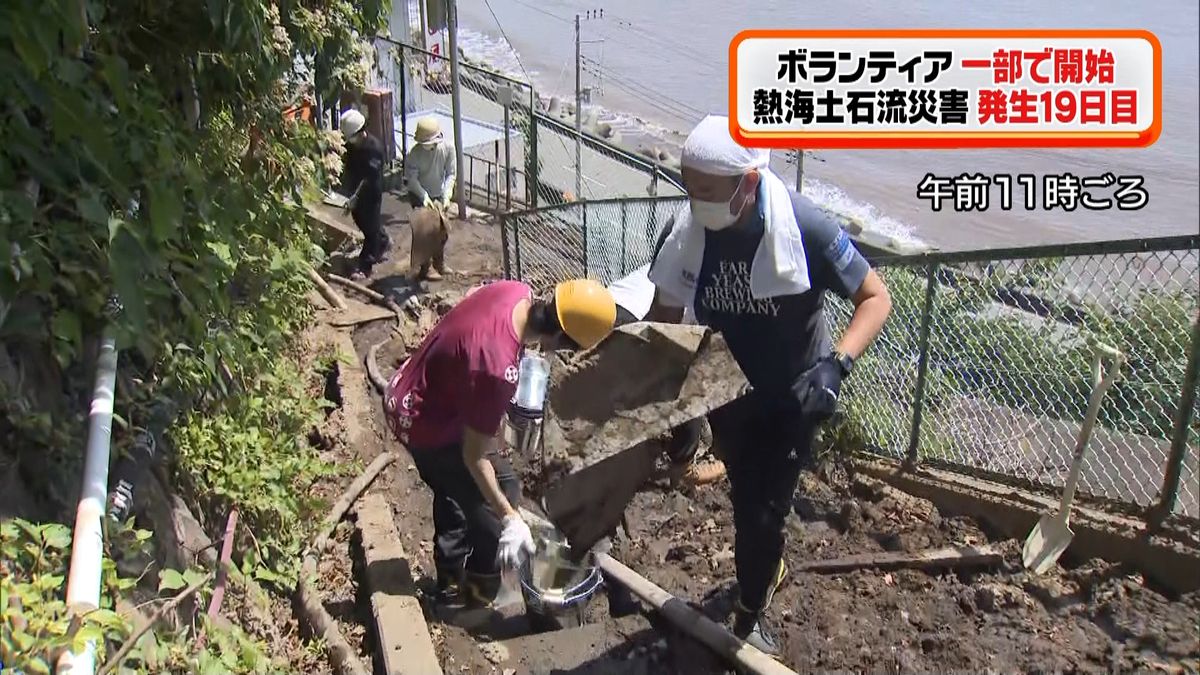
(556, 590)
(522, 433)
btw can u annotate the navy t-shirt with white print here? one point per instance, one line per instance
(775, 339)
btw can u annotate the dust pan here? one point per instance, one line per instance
(1052, 535)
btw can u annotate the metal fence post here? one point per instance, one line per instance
(403, 105)
(914, 434)
(504, 217)
(516, 233)
(533, 161)
(585, 239)
(624, 227)
(1169, 492)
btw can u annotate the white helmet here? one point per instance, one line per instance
(351, 123)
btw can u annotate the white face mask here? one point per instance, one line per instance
(716, 215)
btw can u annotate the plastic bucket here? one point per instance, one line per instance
(556, 590)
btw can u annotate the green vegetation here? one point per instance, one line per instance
(147, 156)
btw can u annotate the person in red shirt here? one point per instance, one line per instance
(445, 405)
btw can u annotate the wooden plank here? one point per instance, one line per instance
(963, 556)
(403, 638)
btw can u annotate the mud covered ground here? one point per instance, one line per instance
(1095, 616)
(1090, 617)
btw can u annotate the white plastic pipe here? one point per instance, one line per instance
(87, 545)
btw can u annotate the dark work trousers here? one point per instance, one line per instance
(466, 532)
(764, 448)
(368, 217)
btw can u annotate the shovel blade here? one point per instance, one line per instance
(1049, 538)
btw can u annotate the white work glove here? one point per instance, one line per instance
(446, 203)
(427, 202)
(516, 543)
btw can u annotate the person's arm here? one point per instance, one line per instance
(872, 306)
(448, 172)
(486, 402)
(848, 274)
(664, 309)
(476, 447)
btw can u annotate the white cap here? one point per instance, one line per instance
(351, 123)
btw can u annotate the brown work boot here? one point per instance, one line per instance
(433, 275)
(703, 473)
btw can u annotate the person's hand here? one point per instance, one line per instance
(446, 203)
(427, 203)
(816, 389)
(516, 543)
(350, 204)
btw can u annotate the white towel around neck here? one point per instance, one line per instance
(779, 266)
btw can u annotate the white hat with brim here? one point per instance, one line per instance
(428, 131)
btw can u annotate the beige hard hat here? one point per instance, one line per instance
(428, 131)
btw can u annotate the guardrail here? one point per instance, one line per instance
(983, 366)
(539, 159)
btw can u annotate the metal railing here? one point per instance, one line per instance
(983, 365)
(539, 155)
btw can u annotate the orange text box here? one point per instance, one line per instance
(945, 88)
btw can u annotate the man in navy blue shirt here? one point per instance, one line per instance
(755, 261)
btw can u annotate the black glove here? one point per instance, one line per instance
(683, 442)
(816, 390)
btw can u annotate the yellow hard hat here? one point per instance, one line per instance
(586, 311)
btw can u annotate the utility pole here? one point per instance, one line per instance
(578, 120)
(799, 171)
(456, 102)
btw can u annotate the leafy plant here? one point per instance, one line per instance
(251, 452)
(36, 623)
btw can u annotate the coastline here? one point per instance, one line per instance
(658, 142)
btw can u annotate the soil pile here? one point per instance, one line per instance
(645, 379)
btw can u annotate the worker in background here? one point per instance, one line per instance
(445, 405)
(363, 179)
(755, 261)
(429, 167)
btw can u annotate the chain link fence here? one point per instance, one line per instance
(604, 240)
(984, 365)
(537, 155)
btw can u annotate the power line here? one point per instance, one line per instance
(504, 35)
(661, 40)
(640, 89)
(542, 11)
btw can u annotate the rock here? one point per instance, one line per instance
(966, 600)
(992, 597)
(494, 652)
(872, 513)
(850, 515)
(806, 508)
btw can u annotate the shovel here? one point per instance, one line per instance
(1052, 535)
